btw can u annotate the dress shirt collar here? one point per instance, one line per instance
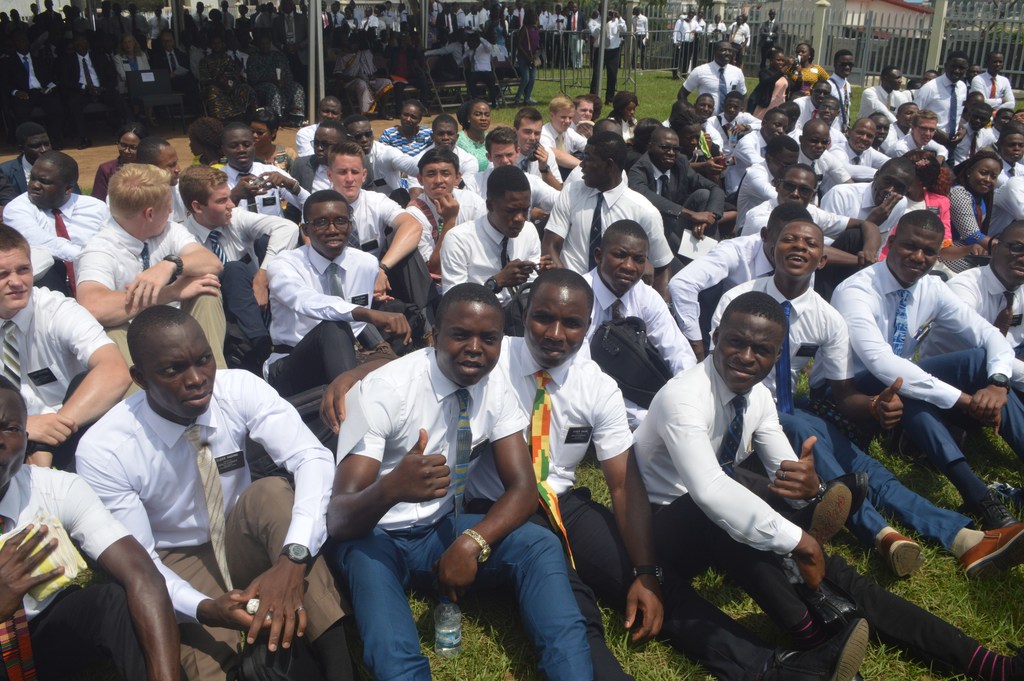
(612, 195)
(23, 318)
(202, 233)
(945, 82)
(444, 387)
(989, 282)
(722, 395)
(603, 295)
(125, 239)
(25, 165)
(528, 366)
(485, 228)
(867, 199)
(320, 263)
(170, 432)
(886, 283)
(19, 491)
(802, 303)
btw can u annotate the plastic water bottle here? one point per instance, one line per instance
(447, 629)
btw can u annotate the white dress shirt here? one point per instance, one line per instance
(468, 164)
(877, 99)
(1003, 98)
(112, 257)
(868, 301)
(533, 168)
(731, 262)
(1008, 205)
(857, 201)
(816, 331)
(299, 298)
(905, 143)
(807, 112)
(985, 137)
(56, 337)
(758, 186)
(471, 206)
(471, 252)
(90, 67)
(33, 81)
(372, 213)
(574, 211)
(83, 216)
(704, 80)
(304, 140)
(831, 170)
(935, 96)
(411, 393)
(720, 129)
(268, 203)
(239, 236)
(869, 161)
(586, 406)
(831, 224)
(542, 195)
(144, 469)
(840, 89)
(676, 448)
(1004, 175)
(747, 152)
(572, 141)
(36, 492)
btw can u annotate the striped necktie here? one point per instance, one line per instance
(733, 436)
(213, 243)
(144, 256)
(783, 376)
(12, 360)
(899, 332)
(209, 477)
(540, 449)
(463, 447)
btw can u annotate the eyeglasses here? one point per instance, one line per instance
(669, 147)
(128, 147)
(321, 223)
(804, 191)
(361, 135)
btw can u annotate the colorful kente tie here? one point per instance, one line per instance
(783, 377)
(899, 332)
(540, 449)
(15, 643)
(733, 436)
(463, 447)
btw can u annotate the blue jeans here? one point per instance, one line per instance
(527, 75)
(836, 455)
(378, 568)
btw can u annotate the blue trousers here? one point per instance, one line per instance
(836, 455)
(925, 423)
(239, 302)
(378, 568)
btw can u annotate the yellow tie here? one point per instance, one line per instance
(540, 448)
(214, 495)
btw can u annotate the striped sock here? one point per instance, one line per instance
(987, 665)
(807, 633)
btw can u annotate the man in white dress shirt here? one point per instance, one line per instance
(257, 187)
(444, 131)
(1008, 205)
(993, 84)
(329, 108)
(52, 217)
(502, 144)
(946, 96)
(170, 462)
(750, 149)
(311, 171)
(1010, 147)
(397, 508)
(384, 164)
(717, 78)
(885, 97)
(139, 260)
(922, 135)
(159, 152)
(245, 243)
(842, 67)
(127, 620)
(320, 299)
(759, 184)
(881, 202)
(889, 308)
(857, 155)
(978, 133)
(69, 372)
(534, 158)
(815, 139)
(614, 29)
(585, 209)
(559, 135)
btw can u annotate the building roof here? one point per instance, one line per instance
(912, 6)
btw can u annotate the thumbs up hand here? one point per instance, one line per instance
(887, 407)
(797, 479)
(419, 477)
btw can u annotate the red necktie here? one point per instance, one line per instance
(62, 232)
(992, 93)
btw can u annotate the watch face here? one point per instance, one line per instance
(297, 553)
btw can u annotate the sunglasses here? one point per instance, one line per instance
(804, 191)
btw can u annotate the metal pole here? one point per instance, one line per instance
(313, 53)
(601, 46)
(424, 24)
(321, 86)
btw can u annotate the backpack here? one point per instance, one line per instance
(620, 347)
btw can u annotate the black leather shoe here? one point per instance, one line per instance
(838, 659)
(858, 484)
(992, 513)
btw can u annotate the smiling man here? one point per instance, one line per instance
(842, 67)
(396, 511)
(856, 155)
(170, 463)
(946, 96)
(881, 203)
(889, 308)
(256, 187)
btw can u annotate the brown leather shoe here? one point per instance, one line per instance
(902, 555)
(999, 550)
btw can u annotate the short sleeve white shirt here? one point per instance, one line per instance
(705, 80)
(113, 257)
(471, 252)
(856, 201)
(237, 239)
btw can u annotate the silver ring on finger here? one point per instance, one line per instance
(782, 474)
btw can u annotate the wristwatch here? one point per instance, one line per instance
(822, 488)
(492, 285)
(655, 570)
(999, 380)
(179, 266)
(485, 548)
(296, 553)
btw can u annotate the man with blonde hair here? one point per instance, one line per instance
(559, 135)
(139, 260)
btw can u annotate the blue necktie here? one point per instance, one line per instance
(953, 118)
(595, 232)
(783, 379)
(899, 333)
(144, 256)
(733, 436)
(213, 243)
(463, 447)
(723, 88)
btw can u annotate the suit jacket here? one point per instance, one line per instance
(7, 190)
(70, 70)
(301, 29)
(14, 174)
(643, 178)
(16, 77)
(304, 169)
(158, 59)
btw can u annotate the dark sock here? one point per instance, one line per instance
(807, 633)
(987, 665)
(331, 650)
(966, 482)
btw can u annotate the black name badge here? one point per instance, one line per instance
(1015, 321)
(269, 200)
(42, 377)
(481, 448)
(807, 350)
(363, 300)
(230, 462)
(369, 246)
(379, 182)
(578, 435)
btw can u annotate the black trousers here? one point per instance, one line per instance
(475, 78)
(84, 627)
(50, 104)
(827, 279)
(75, 102)
(611, 68)
(321, 356)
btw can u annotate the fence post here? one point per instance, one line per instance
(818, 30)
(935, 37)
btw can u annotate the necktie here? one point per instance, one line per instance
(62, 232)
(463, 447)
(370, 176)
(595, 231)
(953, 118)
(783, 375)
(12, 360)
(85, 72)
(213, 243)
(209, 476)
(856, 160)
(334, 285)
(28, 66)
(504, 251)
(1012, 172)
(723, 89)
(172, 61)
(15, 642)
(250, 204)
(560, 141)
(974, 142)
(144, 256)
(617, 310)
(524, 164)
(733, 435)
(992, 90)
(662, 183)
(899, 333)
(1005, 316)
(540, 448)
